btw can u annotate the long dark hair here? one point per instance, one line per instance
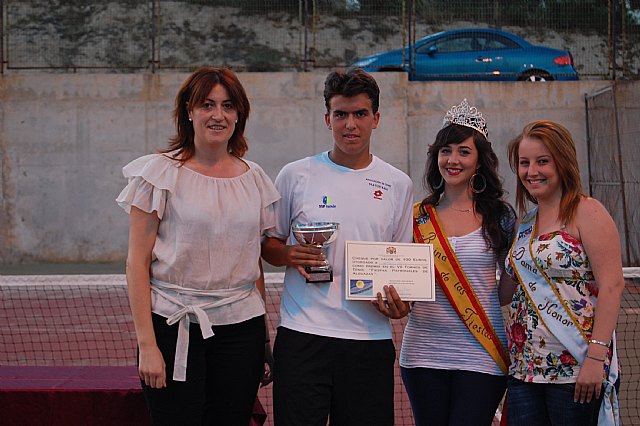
(193, 93)
(488, 203)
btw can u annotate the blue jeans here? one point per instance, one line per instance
(543, 404)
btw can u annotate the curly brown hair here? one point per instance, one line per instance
(489, 203)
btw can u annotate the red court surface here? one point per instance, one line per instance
(75, 335)
(84, 320)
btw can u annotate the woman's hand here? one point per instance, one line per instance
(593, 226)
(589, 384)
(267, 374)
(393, 307)
(143, 230)
(151, 368)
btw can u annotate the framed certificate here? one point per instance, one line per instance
(406, 266)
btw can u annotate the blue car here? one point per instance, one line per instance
(474, 54)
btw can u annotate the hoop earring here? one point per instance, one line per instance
(438, 186)
(472, 182)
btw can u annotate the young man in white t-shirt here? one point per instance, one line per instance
(334, 357)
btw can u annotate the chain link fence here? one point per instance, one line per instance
(614, 160)
(297, 35)
(75, 35)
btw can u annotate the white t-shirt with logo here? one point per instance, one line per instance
(371, 204)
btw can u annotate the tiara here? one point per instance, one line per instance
(467, 116)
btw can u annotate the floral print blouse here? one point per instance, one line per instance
(536, 355)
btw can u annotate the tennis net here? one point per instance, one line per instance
(85, 320)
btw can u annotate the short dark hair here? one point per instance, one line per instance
(349, 83)
(193, 93)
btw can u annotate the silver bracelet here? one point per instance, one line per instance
(599, 342)
(594, 358)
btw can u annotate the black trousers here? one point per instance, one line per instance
(223, 374)
(348, 381)
(453, 397)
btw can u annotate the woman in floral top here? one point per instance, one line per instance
(561, 346)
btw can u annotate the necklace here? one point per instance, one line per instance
(461, 210)
(469, 210)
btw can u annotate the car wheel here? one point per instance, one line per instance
(535, 76)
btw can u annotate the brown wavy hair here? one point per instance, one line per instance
(497, 215)
(560, 144)
(193, 93)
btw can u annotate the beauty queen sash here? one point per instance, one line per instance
(556, 315)
(456, 286)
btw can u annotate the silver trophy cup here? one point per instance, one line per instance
(318, 234)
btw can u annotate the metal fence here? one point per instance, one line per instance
(250, 35)
(614, 160)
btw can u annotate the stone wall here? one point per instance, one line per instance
(65, 138)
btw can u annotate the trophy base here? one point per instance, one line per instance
(319, 276)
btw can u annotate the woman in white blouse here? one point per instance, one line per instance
(196, 290)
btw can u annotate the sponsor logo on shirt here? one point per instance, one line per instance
(326, 203)
(379, 186)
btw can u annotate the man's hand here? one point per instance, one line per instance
(300, 256)
(393, 307)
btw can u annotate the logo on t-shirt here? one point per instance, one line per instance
(380, 188)
(326, 203)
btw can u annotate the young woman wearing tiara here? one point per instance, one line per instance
(453, 361)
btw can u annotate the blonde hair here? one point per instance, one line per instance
(560, 144)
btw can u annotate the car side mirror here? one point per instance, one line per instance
(432, 49)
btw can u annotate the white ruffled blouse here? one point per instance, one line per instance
(205, 259)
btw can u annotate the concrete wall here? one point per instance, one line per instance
(65, 138)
